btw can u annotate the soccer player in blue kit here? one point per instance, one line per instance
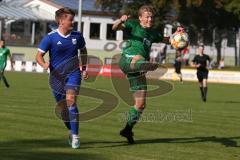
(65, 75)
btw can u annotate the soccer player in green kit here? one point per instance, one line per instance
(134, 61)
(4, 53)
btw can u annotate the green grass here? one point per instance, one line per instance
(30, 130)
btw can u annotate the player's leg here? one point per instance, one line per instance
(62, 108)
(180, 77)
(204, 83)
(138, 86)
(73, 117)
(4, 78)
(139, 64)
(180, 72)
(72, 90)
(5, 81)
(135, 64)
(200, 81)
(177, 66)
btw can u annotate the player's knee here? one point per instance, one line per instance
(140, 108)
(136, 59)
(70, 99)
(140, 105)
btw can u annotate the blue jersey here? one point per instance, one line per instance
(61, 48)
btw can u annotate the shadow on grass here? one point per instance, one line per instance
(226, 141)
(44, 150)
(58, 149)
(229, 102)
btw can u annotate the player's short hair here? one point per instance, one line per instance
(62, 13)
(146, 8)
(2, 39)
(201, 45)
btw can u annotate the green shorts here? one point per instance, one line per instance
(137, 80)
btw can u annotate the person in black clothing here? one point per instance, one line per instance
(201, 62)
(178, 64)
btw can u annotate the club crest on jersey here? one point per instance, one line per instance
(146, 42)
(74, 41)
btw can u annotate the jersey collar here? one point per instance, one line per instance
(63, 35)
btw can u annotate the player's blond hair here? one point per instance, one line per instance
(146, 8)
(62, 12)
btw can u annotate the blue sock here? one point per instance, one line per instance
(66, 119)
(73, 117)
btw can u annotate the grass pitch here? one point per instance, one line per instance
(30, 130)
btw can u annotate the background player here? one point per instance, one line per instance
(201, 62)
(4, 53)
(178, 64)
(134, 61)
(65, 76)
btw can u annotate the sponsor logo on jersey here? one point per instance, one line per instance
(59, 42)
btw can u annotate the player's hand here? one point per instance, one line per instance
(46, 65)
(197, 65)
(124, 18)
(85, 75)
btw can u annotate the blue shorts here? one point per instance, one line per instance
(61, 83)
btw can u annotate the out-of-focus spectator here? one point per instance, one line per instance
(221, 64)
(154, 55)
(185, 53)
(163, 51)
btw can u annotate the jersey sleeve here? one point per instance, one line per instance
(81, 42)
(8, 51)
(208, 58)
(194, 59)
(130, 24)
(44, 45)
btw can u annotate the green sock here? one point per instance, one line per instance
(133, 116)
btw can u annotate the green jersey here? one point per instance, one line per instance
(4, 52)
(140, 40)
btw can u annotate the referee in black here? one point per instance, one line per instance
(201, 62)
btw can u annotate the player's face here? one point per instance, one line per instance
(67, 22)
(200, 50)
(1, 44)
(146, 19)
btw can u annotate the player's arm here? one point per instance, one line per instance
(40, 60)
(83, 55)
(10, 58)
(44, 47)
(209, 59)
(194, 63)
(119, 24)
